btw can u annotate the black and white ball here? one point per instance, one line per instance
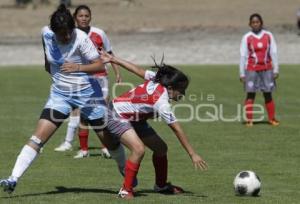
(247, 183)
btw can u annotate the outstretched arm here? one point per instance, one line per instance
(116, 71)
(94, 66)
(196, 159)
(107, 58)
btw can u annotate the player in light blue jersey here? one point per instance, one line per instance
(70, 57)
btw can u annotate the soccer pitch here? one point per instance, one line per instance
(228, 147)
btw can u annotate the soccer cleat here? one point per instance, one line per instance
(65, 146)
(105, 153)
(81, 154)
(8, 185)
(274, 122)
(124, 194)
(168, 189)
(249, 123)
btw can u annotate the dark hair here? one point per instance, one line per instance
(80, 7)
(257, 15)
(61, 19)
(169, 76)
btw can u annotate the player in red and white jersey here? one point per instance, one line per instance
(259, 67)
(127, 123)
(82, 16)
(148, 100)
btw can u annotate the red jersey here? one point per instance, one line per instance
(259, 51)
(100, 41)
(146, 101)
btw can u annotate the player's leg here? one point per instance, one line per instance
(71, 131)
(104, 84)
(123, 132)
(159, 158)
(270, 106)
(251, 81)
(83, 134)
(267, 86)
(248, 108)
(137, 150)
(49, 121)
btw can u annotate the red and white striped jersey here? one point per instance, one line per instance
(148, 100)
(101, 41)
(258, 52)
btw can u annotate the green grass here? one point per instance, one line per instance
(228, 147)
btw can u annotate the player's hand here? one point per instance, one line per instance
(242, 79)
(105, 57)
(198, 162)
(276, 75)
(70, 67)
(118, 78)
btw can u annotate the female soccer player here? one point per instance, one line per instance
(127, 122)
(259, 67)
(65, 48)
(83, 16)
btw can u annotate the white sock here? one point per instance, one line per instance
(24, 160)
(119, 156)
(72, 126)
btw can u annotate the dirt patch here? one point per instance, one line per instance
(154, 15)
(190, 31)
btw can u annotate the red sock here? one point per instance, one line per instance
(270, 106)
(160, 164)
(249, 109)
(83, 139)
(131, 170)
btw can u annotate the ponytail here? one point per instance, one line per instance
(170, 77)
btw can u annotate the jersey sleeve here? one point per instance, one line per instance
(149, 75)
(164, 110)
(88, 50)
(274, 54)
(243, 56)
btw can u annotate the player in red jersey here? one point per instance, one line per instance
(82, 16)
(259, 67)
(127, 123)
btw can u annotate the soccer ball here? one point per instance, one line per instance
(247, 183)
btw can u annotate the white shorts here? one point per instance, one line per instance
(89, 101)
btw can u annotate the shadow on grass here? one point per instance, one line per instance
(186, 193)
(258, 123)
(62, 189)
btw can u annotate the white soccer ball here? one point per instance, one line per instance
(247, 183)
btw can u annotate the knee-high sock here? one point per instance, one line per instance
(24, 160)
(249, 109)
(72, 126)
(270, 106)
(83, 139)
(160, 164)
(119, 156)
(131, 171)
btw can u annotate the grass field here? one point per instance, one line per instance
(228, 147)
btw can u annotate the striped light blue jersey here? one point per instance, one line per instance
(80, 51)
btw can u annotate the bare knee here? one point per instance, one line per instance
(138, 150)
